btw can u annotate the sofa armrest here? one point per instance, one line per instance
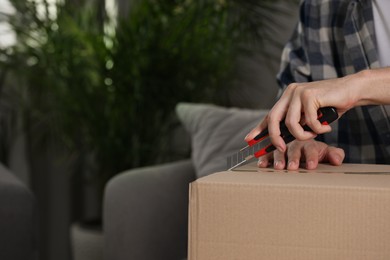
(145, 212)
(18, 219)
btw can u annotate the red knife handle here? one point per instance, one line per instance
(326, 115)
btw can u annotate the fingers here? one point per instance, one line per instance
(279, 160)
(311, 120)
(257, 130)
(303, 110)
(311, 152)
(274, 133)
(294, 154)
(275, 117)
(265, 160)
(335, 156)
(298, 99)
(272, 122)
(277, 157)
(294, 120)
(307, 151)
(316, 152)
(304, 101)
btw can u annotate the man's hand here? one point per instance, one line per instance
(311, 152)
(300, 102)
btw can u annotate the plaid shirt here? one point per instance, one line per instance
(335, 38)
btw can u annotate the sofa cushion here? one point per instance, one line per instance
(216, 133)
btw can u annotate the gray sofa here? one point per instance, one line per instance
(145, 213)
(18, 219)
(145, 210)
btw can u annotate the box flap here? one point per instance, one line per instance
(346, 175)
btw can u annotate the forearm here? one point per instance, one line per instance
(373, 87)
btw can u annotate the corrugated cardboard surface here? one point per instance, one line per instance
(265, 214)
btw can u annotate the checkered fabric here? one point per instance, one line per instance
(334, 38)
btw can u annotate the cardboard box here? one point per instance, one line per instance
(332, 213)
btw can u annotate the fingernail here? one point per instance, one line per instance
(277, 164)
(338, 158)
(261, 163)
(310, 165)
(292, 164)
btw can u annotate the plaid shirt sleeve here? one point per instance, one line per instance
(332, 39)
(294, 66)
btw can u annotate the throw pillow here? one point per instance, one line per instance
(216, 133)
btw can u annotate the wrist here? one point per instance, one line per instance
(372, 87)
(361, 81)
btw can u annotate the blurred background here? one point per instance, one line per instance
(88, 89)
